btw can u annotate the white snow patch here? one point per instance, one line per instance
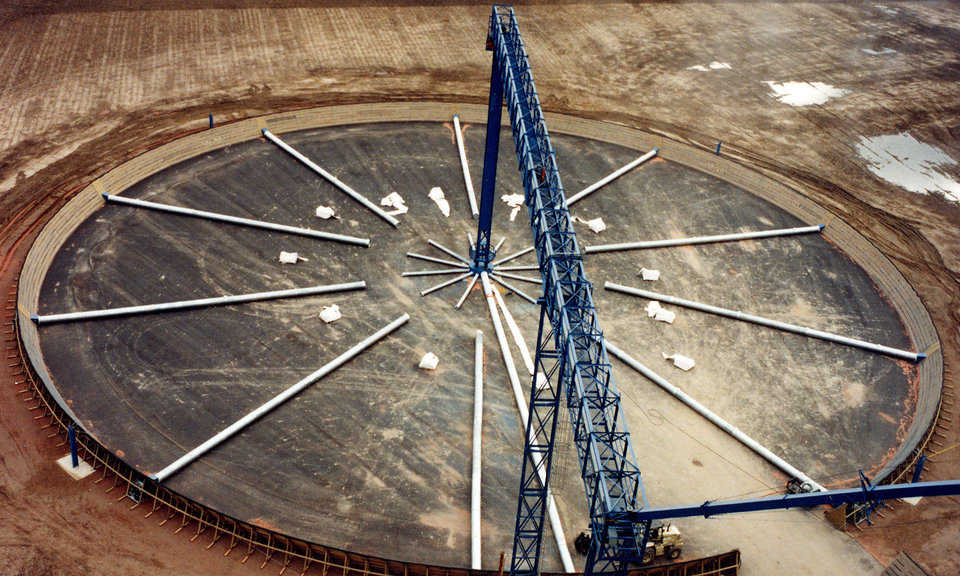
(394, 200)
(664, 315)
(649, 275)
(682, 362)
(652, 308)
(514, 201)
(436, 194)
(879, 52)
(804, 93)
(330, 314)
(542, 381)
(712, 66)
(903, 160)
(429, 361)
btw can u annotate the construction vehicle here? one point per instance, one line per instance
(664, 539)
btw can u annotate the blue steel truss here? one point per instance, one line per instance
(570, 347)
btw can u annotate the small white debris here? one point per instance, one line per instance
(291, 257)
(394, 200)
(330, 313)
(436, 194)
(596, 224)
(649, 275)
(542, 381)
(513, 213)
(664, 315)
(680, 361)
(513, 200)
(652, 308)
(912, 500)
(429, 361)
(325, 212)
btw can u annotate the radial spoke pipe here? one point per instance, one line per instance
(737, 315)
(433, 272)
(331, 178)
(443, 285)
(467, 291)
(277, 400)
(513, 256)
(235, 220)
(537, 281)
(515, 330)
(512, 288)
(610, 178)
(703, 239)
(188, 304)
(518, 268)
(448, 251)
(712, 417)
(467, 181)
(518, 396)
(475, 492)
(436, 260)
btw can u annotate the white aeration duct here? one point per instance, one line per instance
(475, 493)
(610, 177)
(718, 421)
(466, 169)
(702, 239)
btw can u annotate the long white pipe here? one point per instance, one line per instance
(512, 288)
(518, 396)
(466, 172)
(186, 304)
(235, 220)
(712, 417)
(512, 256)
(515, 330)
(737, 315)
(475, 492)
(610, 177)
(433, 272)
(702, 239)
(443, 285)
(448, 251)
(436, 260)
(331, 178)
(467, 291)
(277, 400)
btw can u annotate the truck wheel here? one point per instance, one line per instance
(673, 554)
(648, 555)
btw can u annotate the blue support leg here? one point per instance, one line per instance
(483, 253)
(72, 438)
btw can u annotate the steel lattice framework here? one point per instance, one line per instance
(570, 347)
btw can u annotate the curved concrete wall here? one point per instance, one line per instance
(893, 285)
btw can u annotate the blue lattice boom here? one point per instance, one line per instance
(570, 347)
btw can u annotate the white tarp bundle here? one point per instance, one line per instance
(649, 275)
(514, 201)
(436, 194)
(682, 362)
(658, 312)
(330, 313)
(394, 200)
(290, 257)
(429, 361)
(597, 224)
(325, 212)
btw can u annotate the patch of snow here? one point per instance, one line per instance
(436, 194)
(652, 308)
(804, 93)
(514, 201)
(712, 66)
(664, 315)
(903, 160)
(291, 257)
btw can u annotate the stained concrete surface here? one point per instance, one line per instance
(379, 451)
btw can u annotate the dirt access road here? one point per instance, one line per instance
(84, 88)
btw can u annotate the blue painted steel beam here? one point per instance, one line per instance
(831, 497)
(570, 348)
(483, 253)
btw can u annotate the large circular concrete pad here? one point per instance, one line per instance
(375, 458)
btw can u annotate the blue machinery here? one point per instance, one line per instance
(571, 352)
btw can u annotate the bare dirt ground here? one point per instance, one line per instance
(84, 88)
